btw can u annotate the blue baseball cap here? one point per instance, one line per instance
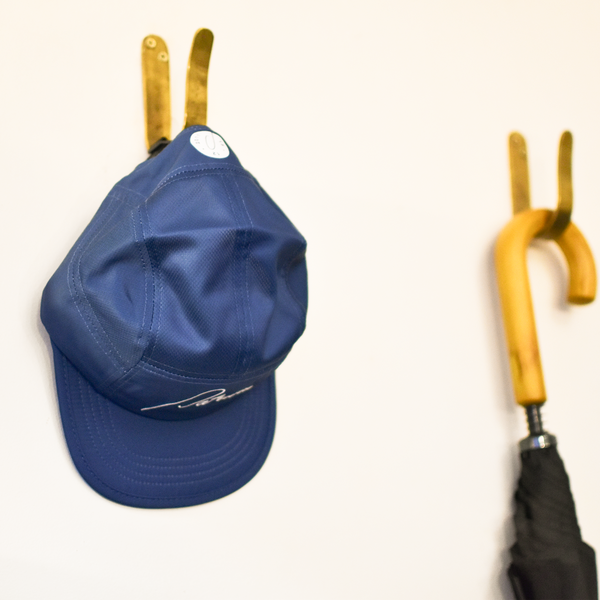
(168, 318)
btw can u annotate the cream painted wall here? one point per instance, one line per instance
(381, 130)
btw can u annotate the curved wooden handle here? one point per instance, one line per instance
(515, 295)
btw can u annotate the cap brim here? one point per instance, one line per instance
(148, 463)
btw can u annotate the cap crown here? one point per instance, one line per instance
(187, 287)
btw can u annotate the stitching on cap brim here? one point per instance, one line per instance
(147, 463)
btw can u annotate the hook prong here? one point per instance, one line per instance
(157, 98)
(561, 217)
(519, 173)
(196, 89)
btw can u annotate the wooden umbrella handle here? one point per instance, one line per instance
(515, 294)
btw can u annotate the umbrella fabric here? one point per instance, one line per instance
(550, 561)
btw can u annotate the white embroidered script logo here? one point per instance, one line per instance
(201, 399)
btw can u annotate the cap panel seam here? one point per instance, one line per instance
(286, 269)
(199, 172)
(149, 366)
(117, 384)
(197, 168)
(152, 366)
(246, 261)
(288, 265)
(141, 246)
(128, 190)
(238, 301)
(157, 290)
(83, 302)
(122, 365)
(238, 276)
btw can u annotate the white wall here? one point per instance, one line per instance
(381, 130)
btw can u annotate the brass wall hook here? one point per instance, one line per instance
(156, 86)
(519, 176)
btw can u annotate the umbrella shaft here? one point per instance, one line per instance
(534, 419)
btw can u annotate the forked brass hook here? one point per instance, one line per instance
(561, 216)
(155, 80)
(515, 294)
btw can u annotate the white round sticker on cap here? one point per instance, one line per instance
(209, 144)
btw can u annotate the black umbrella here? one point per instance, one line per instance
(549, 558)
(550, 561)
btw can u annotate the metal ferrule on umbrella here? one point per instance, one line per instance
(550, 561)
